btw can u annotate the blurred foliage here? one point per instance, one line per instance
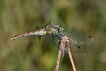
(28, 54)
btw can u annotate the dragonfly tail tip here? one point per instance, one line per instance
(12, 38)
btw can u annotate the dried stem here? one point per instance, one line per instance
(71, 59)
(64, 42)
(59, 57)
(69, 52)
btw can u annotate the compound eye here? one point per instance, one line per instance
(60, 28)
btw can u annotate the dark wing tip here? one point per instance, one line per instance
(89, 36)
(91, 39)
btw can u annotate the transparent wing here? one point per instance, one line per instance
(78, 38)
(49, 39)
(53, 41)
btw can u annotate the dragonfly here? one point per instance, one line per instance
(56, 32)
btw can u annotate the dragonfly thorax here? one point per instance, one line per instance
(54, 29)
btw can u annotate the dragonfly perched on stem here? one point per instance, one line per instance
(56, 32)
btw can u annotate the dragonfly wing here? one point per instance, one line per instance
(76, 49)
(79, 38)
(50, 40)
(53, 41)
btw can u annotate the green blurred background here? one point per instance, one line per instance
(28, 54)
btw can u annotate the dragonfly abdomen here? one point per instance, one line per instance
(37, 32)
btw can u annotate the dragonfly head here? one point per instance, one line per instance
(59, 28)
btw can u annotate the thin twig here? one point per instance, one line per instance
(64, 42)
(59, 57)
(71, 59)
(69, 52)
